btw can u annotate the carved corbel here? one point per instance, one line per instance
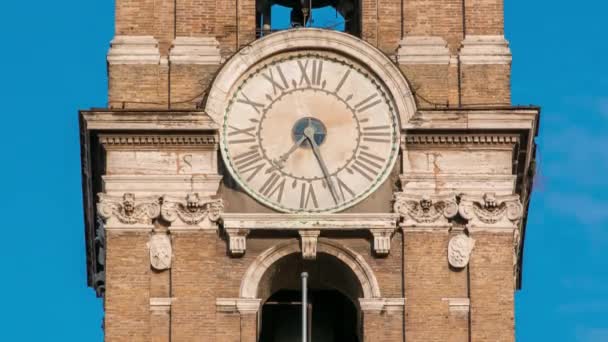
(490, 210)
(193, 210)
(237, 240)
(128, 209)
(308, 240)
(459, 250)
(160, 251)
(425, 210)
(382, 240)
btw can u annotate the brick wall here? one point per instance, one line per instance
(127, 301)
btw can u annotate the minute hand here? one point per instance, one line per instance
(315, 149)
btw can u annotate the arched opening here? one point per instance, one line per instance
(333, 296)
(340, 15)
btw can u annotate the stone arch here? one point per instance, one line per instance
(355, 262)
(310, 39)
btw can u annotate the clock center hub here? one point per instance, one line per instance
(309, 126)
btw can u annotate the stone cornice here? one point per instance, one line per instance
(381, 226)
(149, 120)
(310, 221)
(503, 118)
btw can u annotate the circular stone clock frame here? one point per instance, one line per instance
(347, 142)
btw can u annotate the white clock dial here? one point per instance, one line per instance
(310, 132)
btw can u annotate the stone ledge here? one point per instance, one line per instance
(160, 304)
(134, 50)
(241, 305)
(458, 305)
(423, 50)
(195, 50)
(378, 305)
(485, 50)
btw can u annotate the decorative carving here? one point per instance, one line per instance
(160, 252)
(382, 240)
(490, 209)
(127, 209)
(459, 250)
(309, 243)
(193, 210)
(425, 209)
(237, 241)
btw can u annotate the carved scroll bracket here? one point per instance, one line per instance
(491, 211)
(193, 210)
(425, 211)
(237, 240)
(128, 210)
(308, 240)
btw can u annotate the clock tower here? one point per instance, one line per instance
(380, 154)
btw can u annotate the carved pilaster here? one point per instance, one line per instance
(237, 240)
(425, 210)
(127, 209)
(308, 240)
(193, 210)
(382, 240)
(491, 211)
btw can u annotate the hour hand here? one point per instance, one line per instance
(280, 162)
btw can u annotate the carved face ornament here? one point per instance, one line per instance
(310, 132)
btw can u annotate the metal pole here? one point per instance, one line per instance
(304, 306)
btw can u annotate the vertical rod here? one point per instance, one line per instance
(304, 306)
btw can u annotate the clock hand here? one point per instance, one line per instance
(278, 163)
(309, 133)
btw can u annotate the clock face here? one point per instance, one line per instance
(309, 132)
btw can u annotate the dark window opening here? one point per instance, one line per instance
(340, 15)
(332, 317)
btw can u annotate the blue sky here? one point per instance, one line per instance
(53, 63)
